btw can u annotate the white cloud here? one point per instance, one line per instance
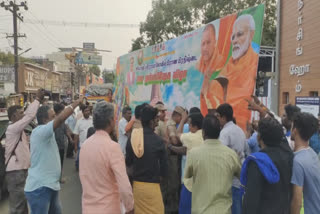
(191, 100)
(185, 100)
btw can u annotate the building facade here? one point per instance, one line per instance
(7, 80)
(62, 65)
(32, 77)
(299, 59)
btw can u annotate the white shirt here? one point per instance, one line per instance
(122, 137)
(82, 127)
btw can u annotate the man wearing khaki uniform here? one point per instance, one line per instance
(171, 185)
(161, 129)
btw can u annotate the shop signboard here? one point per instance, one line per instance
(309, 105)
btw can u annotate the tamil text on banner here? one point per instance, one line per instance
(214, 64)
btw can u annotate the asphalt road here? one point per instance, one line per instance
(70, 193)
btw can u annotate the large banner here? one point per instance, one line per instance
(214, 64)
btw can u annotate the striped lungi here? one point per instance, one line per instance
(147, 198)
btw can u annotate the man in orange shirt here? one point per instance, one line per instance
(236, 81)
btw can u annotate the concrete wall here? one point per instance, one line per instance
(307, 81)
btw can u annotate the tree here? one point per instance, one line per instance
(167, 19)
(95, 70)
(8, 58)
(108, 76)
(171, 18)
(209, 10)
(138, 43)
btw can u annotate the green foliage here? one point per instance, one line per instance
(8, 59)
(108, 76)
(95, 70)
(167, 19)
(171, 18)
(138, 43)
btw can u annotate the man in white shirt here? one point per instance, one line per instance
(81, 130)
(71, 123)
(123, 135)
(233, 136)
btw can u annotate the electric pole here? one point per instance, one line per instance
(14, 8)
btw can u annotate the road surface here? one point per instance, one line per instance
(70, 194)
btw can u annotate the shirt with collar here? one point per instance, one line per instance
(172, 128)
(153, 164)
(71, 122)
(161, 129)
(45, 169)
(123, 138)
(232, 136)
(21, 159)
(82, 127)
(190, 140)
(212, 167)
(103, 176)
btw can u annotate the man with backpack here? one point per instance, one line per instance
(17, 153)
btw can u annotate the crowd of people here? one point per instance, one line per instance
(183, 162)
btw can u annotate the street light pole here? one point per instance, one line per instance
(275, 89)
(29, 49)
(15, 38)
(13, 8)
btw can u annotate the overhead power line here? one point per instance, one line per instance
(80, 24)
(52, 35)
(34, 30)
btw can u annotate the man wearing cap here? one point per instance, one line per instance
(161, 129)
(170, 186)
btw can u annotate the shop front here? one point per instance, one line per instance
(33, 77)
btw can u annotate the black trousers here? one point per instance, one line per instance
(61, 151)
(70, 148)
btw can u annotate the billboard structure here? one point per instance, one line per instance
(7, 74)
(214, 64)
(88, 46)
(88, 58)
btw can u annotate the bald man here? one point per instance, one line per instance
(236, 81)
